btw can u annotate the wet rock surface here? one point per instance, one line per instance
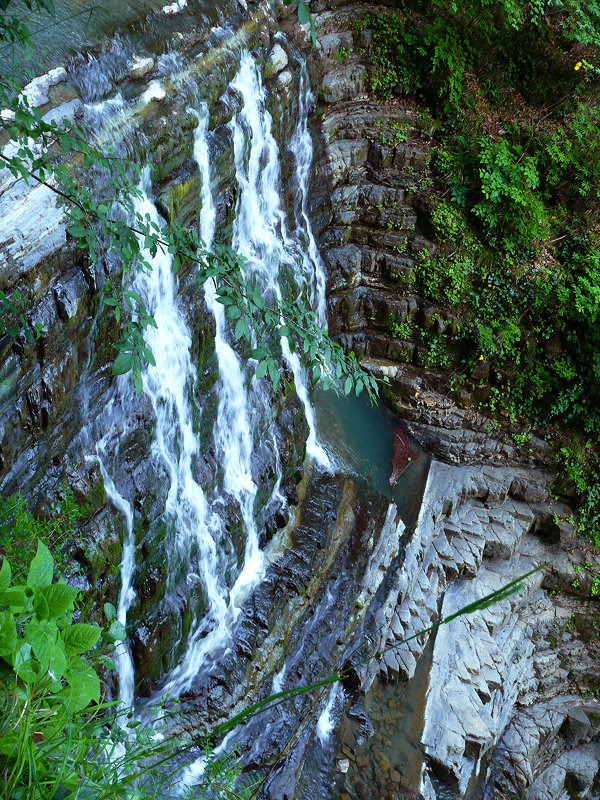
(55, 388)
(488, 515)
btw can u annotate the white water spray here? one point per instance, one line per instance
(233, 448)
(326, 721)
(260, 232)
(233, 426)
(301, 147)
(122, 655)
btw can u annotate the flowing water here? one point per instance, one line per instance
(123, 661)
(273, 252)
(260, 231)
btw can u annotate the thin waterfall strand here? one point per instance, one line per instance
(260, 232)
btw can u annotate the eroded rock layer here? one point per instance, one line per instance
(505, 684)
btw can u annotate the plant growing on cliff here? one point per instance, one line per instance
(20, 530)
(514, 207)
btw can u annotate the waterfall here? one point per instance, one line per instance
(274, 254)
(233, 426)
(122, 655)
(327, 719)
(301, 147)
(233, 442)
(260, 231)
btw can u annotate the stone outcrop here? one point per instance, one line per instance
(507, 684)
(55, 387)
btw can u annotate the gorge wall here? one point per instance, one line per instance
(493, 704)
(489, 512)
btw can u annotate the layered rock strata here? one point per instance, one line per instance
(507, 684)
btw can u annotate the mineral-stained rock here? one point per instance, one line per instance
(276, 61)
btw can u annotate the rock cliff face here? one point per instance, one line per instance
(506, 685)
(495, 705)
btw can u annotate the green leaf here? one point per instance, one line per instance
(123, 363)
(15, 598)
(261, 370)
(24, 664)
(83, 685)
(8, 634)
(348, 385)
(110, 611)
(40, 605)
(80, 637)
(48, 648)
(241, 329)
(233, 312)
(41, 568)
(76, 231)
(60, 598)
(4, 576)
(116, 632)
(150, 356)
(273, 374)
(303, 15)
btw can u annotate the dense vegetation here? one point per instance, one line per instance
(59, 737)
(512, 90)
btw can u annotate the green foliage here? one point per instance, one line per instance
(431, 47)
(398, 327)
(58, 739)
(44, 681)
(515, 204)
(20, 530)
(581, 466)
(509, 208)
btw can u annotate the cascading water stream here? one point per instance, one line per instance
(260, 232)
(122, 655)
(273, 254)
(301, 147)
(267, 246)
(232, 438)
(232, 429)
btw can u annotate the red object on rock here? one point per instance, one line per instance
(403, 455)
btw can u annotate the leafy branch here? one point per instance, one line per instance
(107, 220)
